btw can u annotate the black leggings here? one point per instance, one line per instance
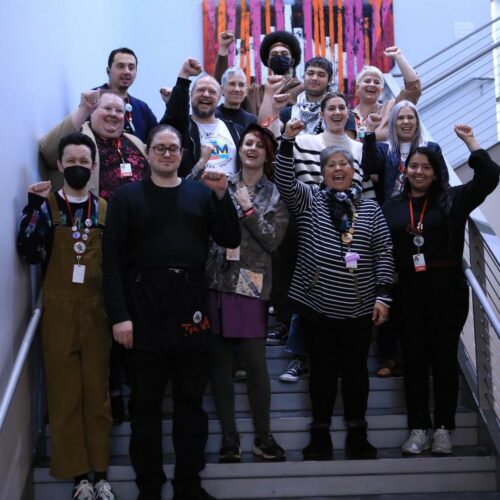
(253, 352)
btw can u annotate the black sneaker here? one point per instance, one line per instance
(230, 452)
(296, 370)
(267, 448)
(279, 335)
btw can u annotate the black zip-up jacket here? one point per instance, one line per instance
(177, 115)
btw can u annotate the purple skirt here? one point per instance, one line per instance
(237, 316)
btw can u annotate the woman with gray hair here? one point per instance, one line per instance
(340, 288)
(386, 159)
(234, 89)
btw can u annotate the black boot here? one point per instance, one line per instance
(320, 446)
(357, 446)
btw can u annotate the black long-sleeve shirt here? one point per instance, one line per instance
(443, 235)
(153, 227)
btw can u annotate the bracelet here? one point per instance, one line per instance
(286, 138)
(249, 212)
(269, 120)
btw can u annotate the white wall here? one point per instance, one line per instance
(51, 51)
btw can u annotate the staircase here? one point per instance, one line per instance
(472, 468)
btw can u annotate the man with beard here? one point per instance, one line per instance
(122, 71)
(202, 128)
(280, 52)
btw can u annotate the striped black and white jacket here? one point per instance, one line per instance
(321, 280)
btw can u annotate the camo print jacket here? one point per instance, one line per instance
(261, 234)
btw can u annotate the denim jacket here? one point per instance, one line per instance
(261, 234)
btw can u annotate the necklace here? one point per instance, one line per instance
(417, 230)
(348, 229)
(78, 234)
(251, 187)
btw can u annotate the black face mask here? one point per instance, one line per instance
(280, 64)
(77, 176)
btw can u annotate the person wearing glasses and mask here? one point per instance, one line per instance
(156, 296)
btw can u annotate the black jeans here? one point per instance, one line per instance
(150, 372)
(336, 352)
(430, 309)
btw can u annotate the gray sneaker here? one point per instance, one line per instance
(417, 442)
(83, 490)
(441, 442)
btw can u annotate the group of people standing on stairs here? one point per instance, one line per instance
(219, 211)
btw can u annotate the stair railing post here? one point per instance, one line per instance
(481, 324)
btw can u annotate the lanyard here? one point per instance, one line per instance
(128, 113)
(73, 222)
(401, 167)
(118, 145)
(419, 228)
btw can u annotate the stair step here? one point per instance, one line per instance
(292, 433)
(469, 469)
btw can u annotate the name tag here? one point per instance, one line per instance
(351, 260)
(78, 273)
(419, 262)
(125, 169)
(233, 253)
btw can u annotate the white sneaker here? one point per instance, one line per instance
(83, 490)
(441, 442)
(417, 442)
(103, 491)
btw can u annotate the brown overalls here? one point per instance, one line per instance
(76, 341)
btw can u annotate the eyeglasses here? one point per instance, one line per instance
(161, 149)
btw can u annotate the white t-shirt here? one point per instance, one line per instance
(223, 158)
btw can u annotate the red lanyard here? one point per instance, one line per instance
(421, 220)
(401, 167)
(71, 212)
(118, 146)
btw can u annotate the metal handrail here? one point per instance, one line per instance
(460, 66)
(17, 369)
(454, 44)
(483, 300)
(459, 86)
